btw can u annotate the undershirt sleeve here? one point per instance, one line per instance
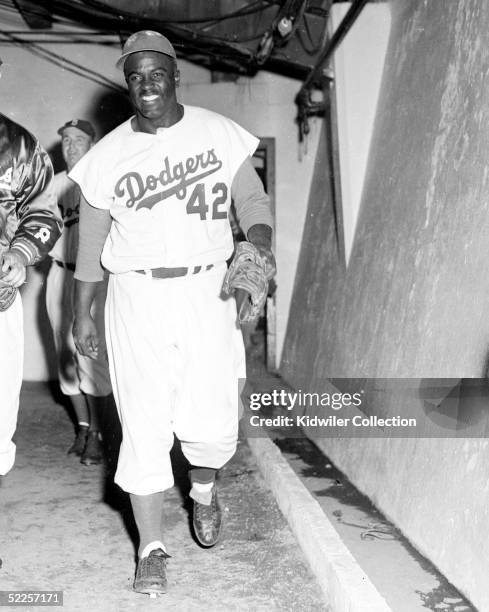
(94, 228)
(251, 202)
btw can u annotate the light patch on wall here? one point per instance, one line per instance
(358, 65)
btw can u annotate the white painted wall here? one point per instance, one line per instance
(358, 64)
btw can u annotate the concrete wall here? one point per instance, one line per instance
(357, 68)
(414, 299)
(43, 96)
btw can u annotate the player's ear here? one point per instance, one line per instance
(176, 76)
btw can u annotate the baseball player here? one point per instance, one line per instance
(29, 227)
(85, 381)
(157, 191)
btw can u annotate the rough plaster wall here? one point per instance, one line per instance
(415, 298)
(317, 270)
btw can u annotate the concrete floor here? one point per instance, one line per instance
(67, 527)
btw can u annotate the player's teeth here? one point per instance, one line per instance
(149, 98)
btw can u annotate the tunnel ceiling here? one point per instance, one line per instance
(234, 36)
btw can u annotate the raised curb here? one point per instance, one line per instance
(346, 586)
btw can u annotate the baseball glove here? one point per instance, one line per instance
(249, 271)
(7, 296)
(7, 292)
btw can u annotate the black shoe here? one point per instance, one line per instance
(93, 453)
(151, 573)
(207, 520)
(78, 445)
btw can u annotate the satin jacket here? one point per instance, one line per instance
(30, 222)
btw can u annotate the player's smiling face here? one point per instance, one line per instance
(152, 79)
(74, 144)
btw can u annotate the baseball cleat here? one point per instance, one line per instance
(207, 520)
(93, 453)
(151, 574)
(78, 445)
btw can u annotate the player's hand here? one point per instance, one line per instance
(86, 337)
(260, 236)
(269, 260)
(12, 270)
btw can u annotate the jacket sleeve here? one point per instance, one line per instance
(36, 206)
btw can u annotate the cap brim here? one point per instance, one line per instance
(122, 59)
(91, 134)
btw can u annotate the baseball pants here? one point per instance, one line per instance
(176, 355)
(76, 373)
(11, 366)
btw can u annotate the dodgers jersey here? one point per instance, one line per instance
(68, 197)
(168, 193)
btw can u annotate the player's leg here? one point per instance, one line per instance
(95, 384)
(207, 410)
(93, 453)
(142, 358)
(207, 514)
(152, 554)
(59, 286)
(82, 416)
(11, 361)
(207, 459)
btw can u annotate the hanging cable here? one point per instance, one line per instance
(281, 29)
(65, 63)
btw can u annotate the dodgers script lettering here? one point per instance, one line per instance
(177, 177)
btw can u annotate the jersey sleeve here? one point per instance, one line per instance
(91, 174)
(94, 229)
(251, 202)
(241, 144)
(36, 207)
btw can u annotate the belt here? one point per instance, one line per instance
(62, 264)
(174, 272)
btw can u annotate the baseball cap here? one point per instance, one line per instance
(146, 40)
(81, 124)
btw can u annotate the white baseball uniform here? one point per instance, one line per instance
(76, 373)
(175, 350)
(12, 336)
